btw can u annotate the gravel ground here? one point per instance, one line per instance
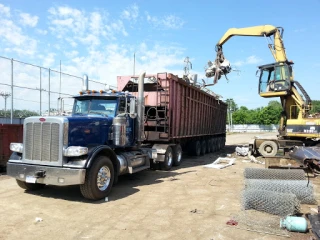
(188, 202)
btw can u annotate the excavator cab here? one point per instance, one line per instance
(275, 79)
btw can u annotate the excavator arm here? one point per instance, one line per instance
(277, 48)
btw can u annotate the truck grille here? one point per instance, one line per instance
(42, 141)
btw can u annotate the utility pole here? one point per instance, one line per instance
(134, 63)
(5, 95)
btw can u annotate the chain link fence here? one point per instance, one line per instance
(28, 89)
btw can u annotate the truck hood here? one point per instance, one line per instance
(88, 130)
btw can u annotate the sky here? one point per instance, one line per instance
(99, 38)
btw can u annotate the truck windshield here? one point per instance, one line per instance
(95, 106)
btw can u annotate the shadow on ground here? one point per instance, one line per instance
(127, 184)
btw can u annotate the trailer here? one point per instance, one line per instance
(178, 112)
(146, 123)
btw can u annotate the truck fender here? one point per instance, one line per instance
(160, 149)
(106, 151)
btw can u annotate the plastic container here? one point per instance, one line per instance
(294, 224)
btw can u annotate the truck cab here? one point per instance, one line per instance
(90, 148)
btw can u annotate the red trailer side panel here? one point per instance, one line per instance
(176, 109)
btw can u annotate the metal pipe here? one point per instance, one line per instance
(140, 110)
(85, 83)
(49, 94)
(40, 93)
(11, 91)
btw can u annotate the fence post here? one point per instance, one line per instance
(11, 115)
(40, 93)
(49, 93)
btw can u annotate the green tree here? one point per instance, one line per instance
(315, 107)
(232, 105)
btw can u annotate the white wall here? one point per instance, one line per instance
(253, 128)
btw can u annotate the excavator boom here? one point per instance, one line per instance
(277, 50)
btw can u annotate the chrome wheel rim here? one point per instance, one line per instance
(103, 178)
(169, 157)
(179, 156)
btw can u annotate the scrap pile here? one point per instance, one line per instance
(275, 195)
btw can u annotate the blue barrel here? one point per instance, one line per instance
(294, 224)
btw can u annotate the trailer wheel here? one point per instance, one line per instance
(195, 148)
(223, 142)
(168, 160)
(213, 144)
(30, 186)
(177, 155)
(99, 179)
(268, 149)
(203, 147)
(218, 144)
(208, 142)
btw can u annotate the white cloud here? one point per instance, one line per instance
(41, 31)
(27, 20)
(131, 13)
(48, 59)
(71, 54)
(249, 60)
(88, 28)
(4, 10)
(15, 40)
(87, 42)
(169, 22)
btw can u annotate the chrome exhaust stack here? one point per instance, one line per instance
(85, 83)
(140, 110)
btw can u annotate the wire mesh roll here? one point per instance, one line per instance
(301, 188)
(281, 204)
(285, 174)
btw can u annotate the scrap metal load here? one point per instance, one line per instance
(176, 111)
(220, 66)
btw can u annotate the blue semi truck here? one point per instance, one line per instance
(105, 137)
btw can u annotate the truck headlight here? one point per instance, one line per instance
(74, 151)
(16, 147)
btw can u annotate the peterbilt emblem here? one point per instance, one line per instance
(42, 119)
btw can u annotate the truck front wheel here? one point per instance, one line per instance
(99, 179)
(29, 186)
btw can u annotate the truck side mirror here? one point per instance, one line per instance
(133, 113)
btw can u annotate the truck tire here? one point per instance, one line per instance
(223, 142)
(209, 145)
(203, 147)
(218, 143)
(213, 144)
(177, 155)
(195, 148)
(168, 160)
(268, 149)
(30, 186)
(99, 179)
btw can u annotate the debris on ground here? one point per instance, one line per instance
(232, 222)
(294, 224)
(221, 163)
(242, 151)
(38, 219)
(252, 159)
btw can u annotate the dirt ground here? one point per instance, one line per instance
(188, 202)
